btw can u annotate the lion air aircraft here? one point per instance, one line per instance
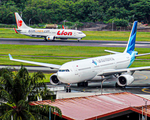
(48, 34)
(98, 68)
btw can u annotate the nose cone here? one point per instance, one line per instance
(63, 77)
(84, 35)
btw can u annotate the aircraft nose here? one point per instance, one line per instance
(62, 77)
(84, 35)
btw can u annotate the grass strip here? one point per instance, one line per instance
(58, 54)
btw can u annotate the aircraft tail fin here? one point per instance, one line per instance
(63, 27)
(20, 22)
(131, 42)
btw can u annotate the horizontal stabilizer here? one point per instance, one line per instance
(52, 66)
(142, 54)
(15, 30)
(111, 51)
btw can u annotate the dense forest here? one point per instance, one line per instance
(55, 11)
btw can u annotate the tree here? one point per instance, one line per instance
(7, 12)
(15, 92)
(141, 10)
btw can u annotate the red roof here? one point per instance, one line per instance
(93, 107)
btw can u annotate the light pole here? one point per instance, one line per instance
(64, 22)
(112, 24)
(102, 86)
(145, 108)
(29, 21)
(50, 113)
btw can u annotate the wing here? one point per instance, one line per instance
(115, 71)
(52, 66)
(111, 51)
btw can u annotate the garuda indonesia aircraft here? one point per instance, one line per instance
(48, 34)
(98, 68)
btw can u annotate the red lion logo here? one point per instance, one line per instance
(19, 23)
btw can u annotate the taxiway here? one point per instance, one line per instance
(100, 43)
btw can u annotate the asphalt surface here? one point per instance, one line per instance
(71, 42)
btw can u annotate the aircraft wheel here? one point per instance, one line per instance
(83, 84)
(68, 90)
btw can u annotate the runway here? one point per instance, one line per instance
(99, 43)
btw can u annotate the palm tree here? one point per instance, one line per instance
(15, 91)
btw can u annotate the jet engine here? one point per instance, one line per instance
(50, 37)
(125, 79)
(54, 80)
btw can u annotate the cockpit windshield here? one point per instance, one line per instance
(64, 70)
(80, 32)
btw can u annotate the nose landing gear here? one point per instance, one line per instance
(68, 89)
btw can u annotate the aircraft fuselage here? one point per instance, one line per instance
(87, 69)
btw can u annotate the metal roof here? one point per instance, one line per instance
(98, 106)
(145, 110)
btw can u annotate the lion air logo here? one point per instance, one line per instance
(19, 23)
(64, 33)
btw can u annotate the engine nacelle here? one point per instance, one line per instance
(54, 80)
(125, 79)
(50, 37)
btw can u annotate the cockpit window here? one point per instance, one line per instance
(64, 70)
(80, 32)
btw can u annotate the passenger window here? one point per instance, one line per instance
(65, 70)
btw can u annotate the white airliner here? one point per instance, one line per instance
(48, 34)
(98, 68)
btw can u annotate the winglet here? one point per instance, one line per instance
(10, 57)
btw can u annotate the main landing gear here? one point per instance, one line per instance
(83, 84)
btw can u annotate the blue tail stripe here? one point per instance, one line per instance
(131, 44)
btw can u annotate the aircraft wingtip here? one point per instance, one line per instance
(10, 57)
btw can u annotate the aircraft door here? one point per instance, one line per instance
(76, 71)
(74, 33)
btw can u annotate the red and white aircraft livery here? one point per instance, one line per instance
(48, 34)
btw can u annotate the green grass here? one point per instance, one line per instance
(115, 35)
(90, 35)
(10, 33)
(47, 77)
(58, 54)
